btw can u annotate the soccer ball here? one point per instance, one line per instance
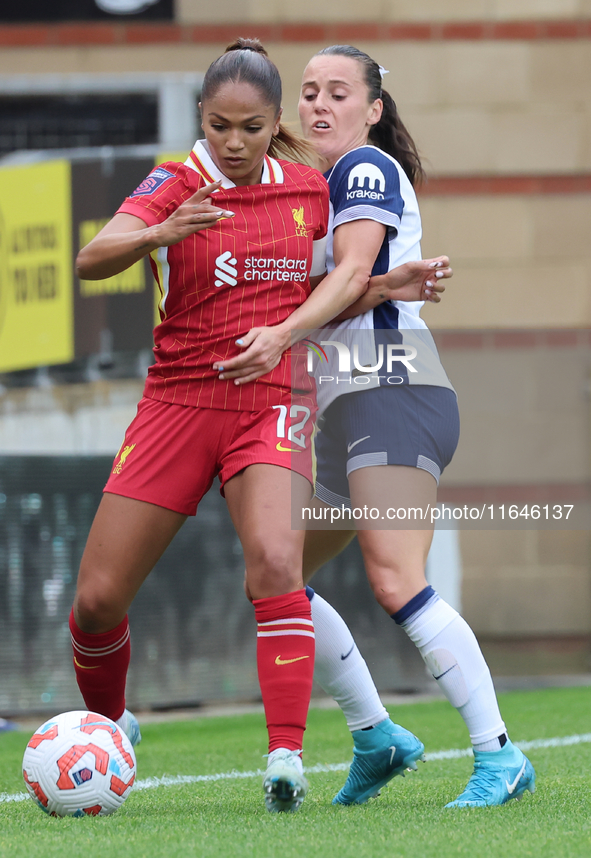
(79, 763)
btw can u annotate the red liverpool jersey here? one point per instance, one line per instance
(247, 271)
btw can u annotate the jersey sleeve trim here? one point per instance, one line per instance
(367, 213)
(322, 231)
(148, 217)
(318, 257)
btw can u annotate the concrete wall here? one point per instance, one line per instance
(198, 11)
(527, 595)
(522, 583)
(73, 419)
(473, 107)
(520, 261)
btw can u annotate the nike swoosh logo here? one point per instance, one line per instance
(286, 449)
(280, 660)
(85, 667)
(343, 657)
(445, 672)
(511, 787)
(354, 443)
(393, 749)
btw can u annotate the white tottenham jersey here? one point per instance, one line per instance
(390, 344)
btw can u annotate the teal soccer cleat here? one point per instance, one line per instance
(498, 777)
(129, 724)
(284, 783)
(379, 755)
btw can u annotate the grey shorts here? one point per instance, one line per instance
(417, 426)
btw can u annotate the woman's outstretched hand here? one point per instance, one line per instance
(196, 213)
(420, 280)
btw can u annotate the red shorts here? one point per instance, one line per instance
(171, 453)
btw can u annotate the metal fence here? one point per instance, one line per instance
(193, 631)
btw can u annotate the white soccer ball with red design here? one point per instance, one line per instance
(79, 763)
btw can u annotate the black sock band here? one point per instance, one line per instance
(415, 604)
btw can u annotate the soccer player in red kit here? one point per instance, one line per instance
(231, 236)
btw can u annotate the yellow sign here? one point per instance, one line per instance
(177, 157)
(36, 326)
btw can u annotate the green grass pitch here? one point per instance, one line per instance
(226, 817)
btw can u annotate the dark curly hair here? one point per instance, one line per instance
(247, 61)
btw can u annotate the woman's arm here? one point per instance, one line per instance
(126, 239)
(355, 248)
(120, 244)
(412, 281)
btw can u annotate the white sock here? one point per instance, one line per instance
(452, 654)
(340, 669)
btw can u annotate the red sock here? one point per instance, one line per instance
(101, 663)
(285, 660)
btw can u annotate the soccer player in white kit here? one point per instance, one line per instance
(397, 438)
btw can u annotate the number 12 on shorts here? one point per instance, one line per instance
(292, 433)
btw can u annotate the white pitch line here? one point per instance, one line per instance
(452, 754)
(17, 796)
